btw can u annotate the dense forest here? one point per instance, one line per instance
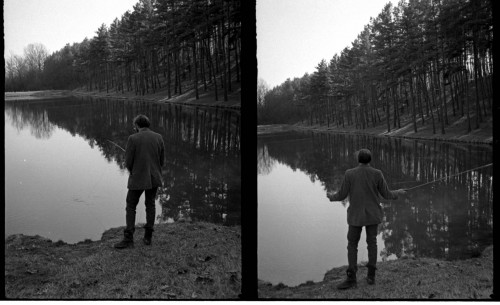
(420, 62)
(175, 46)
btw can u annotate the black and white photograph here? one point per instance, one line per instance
(374, 149)
(130, 128)
(122, 149)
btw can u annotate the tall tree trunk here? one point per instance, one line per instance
(195, 70)
(169, 73)
(414, 111)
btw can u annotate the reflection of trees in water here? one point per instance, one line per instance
(450, 218)
(265, 163)
(35, 119)
(202, 173)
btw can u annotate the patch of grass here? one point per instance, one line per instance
(36, 95)
(205, 98)
(186, 261)
(417, 278)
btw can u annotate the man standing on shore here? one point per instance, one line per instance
(363, 184)
(144, 157)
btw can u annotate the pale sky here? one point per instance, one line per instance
(56, 22)
(293, 36)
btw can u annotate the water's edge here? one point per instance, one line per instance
(263, 130)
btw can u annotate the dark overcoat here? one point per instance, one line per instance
(144, 158)
(363, 184)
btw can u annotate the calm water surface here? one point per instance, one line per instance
(64, 180)
(302, 235)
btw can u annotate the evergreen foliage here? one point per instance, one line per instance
(175, 46)
(411, 63)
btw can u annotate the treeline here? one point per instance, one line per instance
(174, 46)
(419, 62)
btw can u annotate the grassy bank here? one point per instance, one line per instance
(409, 278)
(36, 95)
(186, 261)
(161, 96)
(205, 99)
(457, 132)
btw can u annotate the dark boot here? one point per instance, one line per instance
(370, 278)
(350, 282)
(148, 234)
(127, 242)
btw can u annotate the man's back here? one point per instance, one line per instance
(363, 184)
(144, 157)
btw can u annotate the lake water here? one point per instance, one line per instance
(302, 235)
(65, 180)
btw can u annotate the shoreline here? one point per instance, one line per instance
(404, 278)
(476, 137)
(36, 95)
(186, 99)
(186, 261)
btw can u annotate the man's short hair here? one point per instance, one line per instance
(142, 121)
(364, 156)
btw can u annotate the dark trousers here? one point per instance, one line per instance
(353, 236)
(132, 201)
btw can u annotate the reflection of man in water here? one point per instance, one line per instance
(144, 157)
(363, 184)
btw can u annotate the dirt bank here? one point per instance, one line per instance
(186, 261)
(409, 278)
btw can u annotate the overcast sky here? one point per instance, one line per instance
(56, 22)
(293, 36)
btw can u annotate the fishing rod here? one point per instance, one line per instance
(448, 176)
(115, 144)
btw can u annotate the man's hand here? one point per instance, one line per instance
(401, 192)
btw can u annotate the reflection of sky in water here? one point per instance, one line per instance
(60, 188)
(299, 229)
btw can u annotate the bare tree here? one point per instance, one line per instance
(262, 88)
(35, 54)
